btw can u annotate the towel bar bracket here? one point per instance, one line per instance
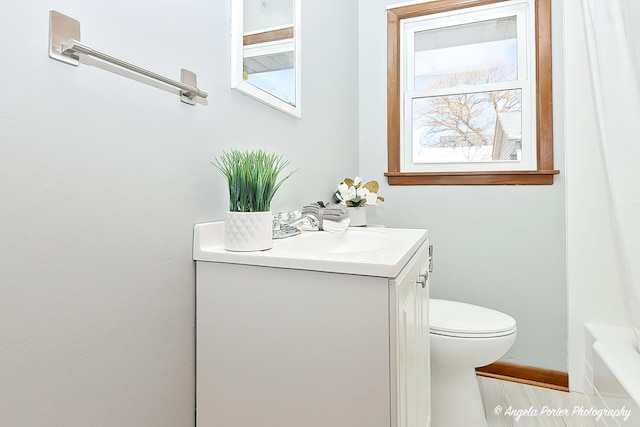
(189, 78)
(65, 46)
(61, 29)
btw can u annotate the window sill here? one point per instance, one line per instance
(537, 177)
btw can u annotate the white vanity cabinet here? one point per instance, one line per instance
(293, 347)
(409, 342)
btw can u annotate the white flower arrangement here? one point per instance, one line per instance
(353, 193)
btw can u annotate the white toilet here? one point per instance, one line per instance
(463, 337)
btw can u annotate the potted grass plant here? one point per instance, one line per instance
(253, 181)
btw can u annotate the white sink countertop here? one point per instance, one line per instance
(369, 251)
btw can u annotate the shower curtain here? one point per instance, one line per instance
(615, 74)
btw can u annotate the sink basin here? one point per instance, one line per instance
(370, 251)
(354, 240)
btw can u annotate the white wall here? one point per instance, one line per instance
(499, 246)
(101, 180)
(259, 16)
(593, 281)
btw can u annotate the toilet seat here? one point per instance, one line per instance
(458, 319)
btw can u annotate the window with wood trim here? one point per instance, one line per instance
(469, 93)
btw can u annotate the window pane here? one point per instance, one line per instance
(279, 83)
(469, 54)
(469, 127)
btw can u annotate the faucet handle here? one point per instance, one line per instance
(287, 216)
(282, 218)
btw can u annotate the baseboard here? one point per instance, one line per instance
(529, 375)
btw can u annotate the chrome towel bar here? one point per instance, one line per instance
(65, 44)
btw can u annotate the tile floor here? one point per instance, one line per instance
(504, 400)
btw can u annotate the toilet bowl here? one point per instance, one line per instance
(463, 337)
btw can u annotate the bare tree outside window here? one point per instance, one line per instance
(464, 126)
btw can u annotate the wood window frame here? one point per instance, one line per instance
(544, 173)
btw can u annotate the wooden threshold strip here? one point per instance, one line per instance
(529, 375)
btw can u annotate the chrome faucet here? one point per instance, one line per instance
(284, 224)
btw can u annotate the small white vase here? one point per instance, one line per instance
(358, 216)
(248, 231)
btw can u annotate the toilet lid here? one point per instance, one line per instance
(455, 318)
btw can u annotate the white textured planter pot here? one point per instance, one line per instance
(358, 216)
(248, 231)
